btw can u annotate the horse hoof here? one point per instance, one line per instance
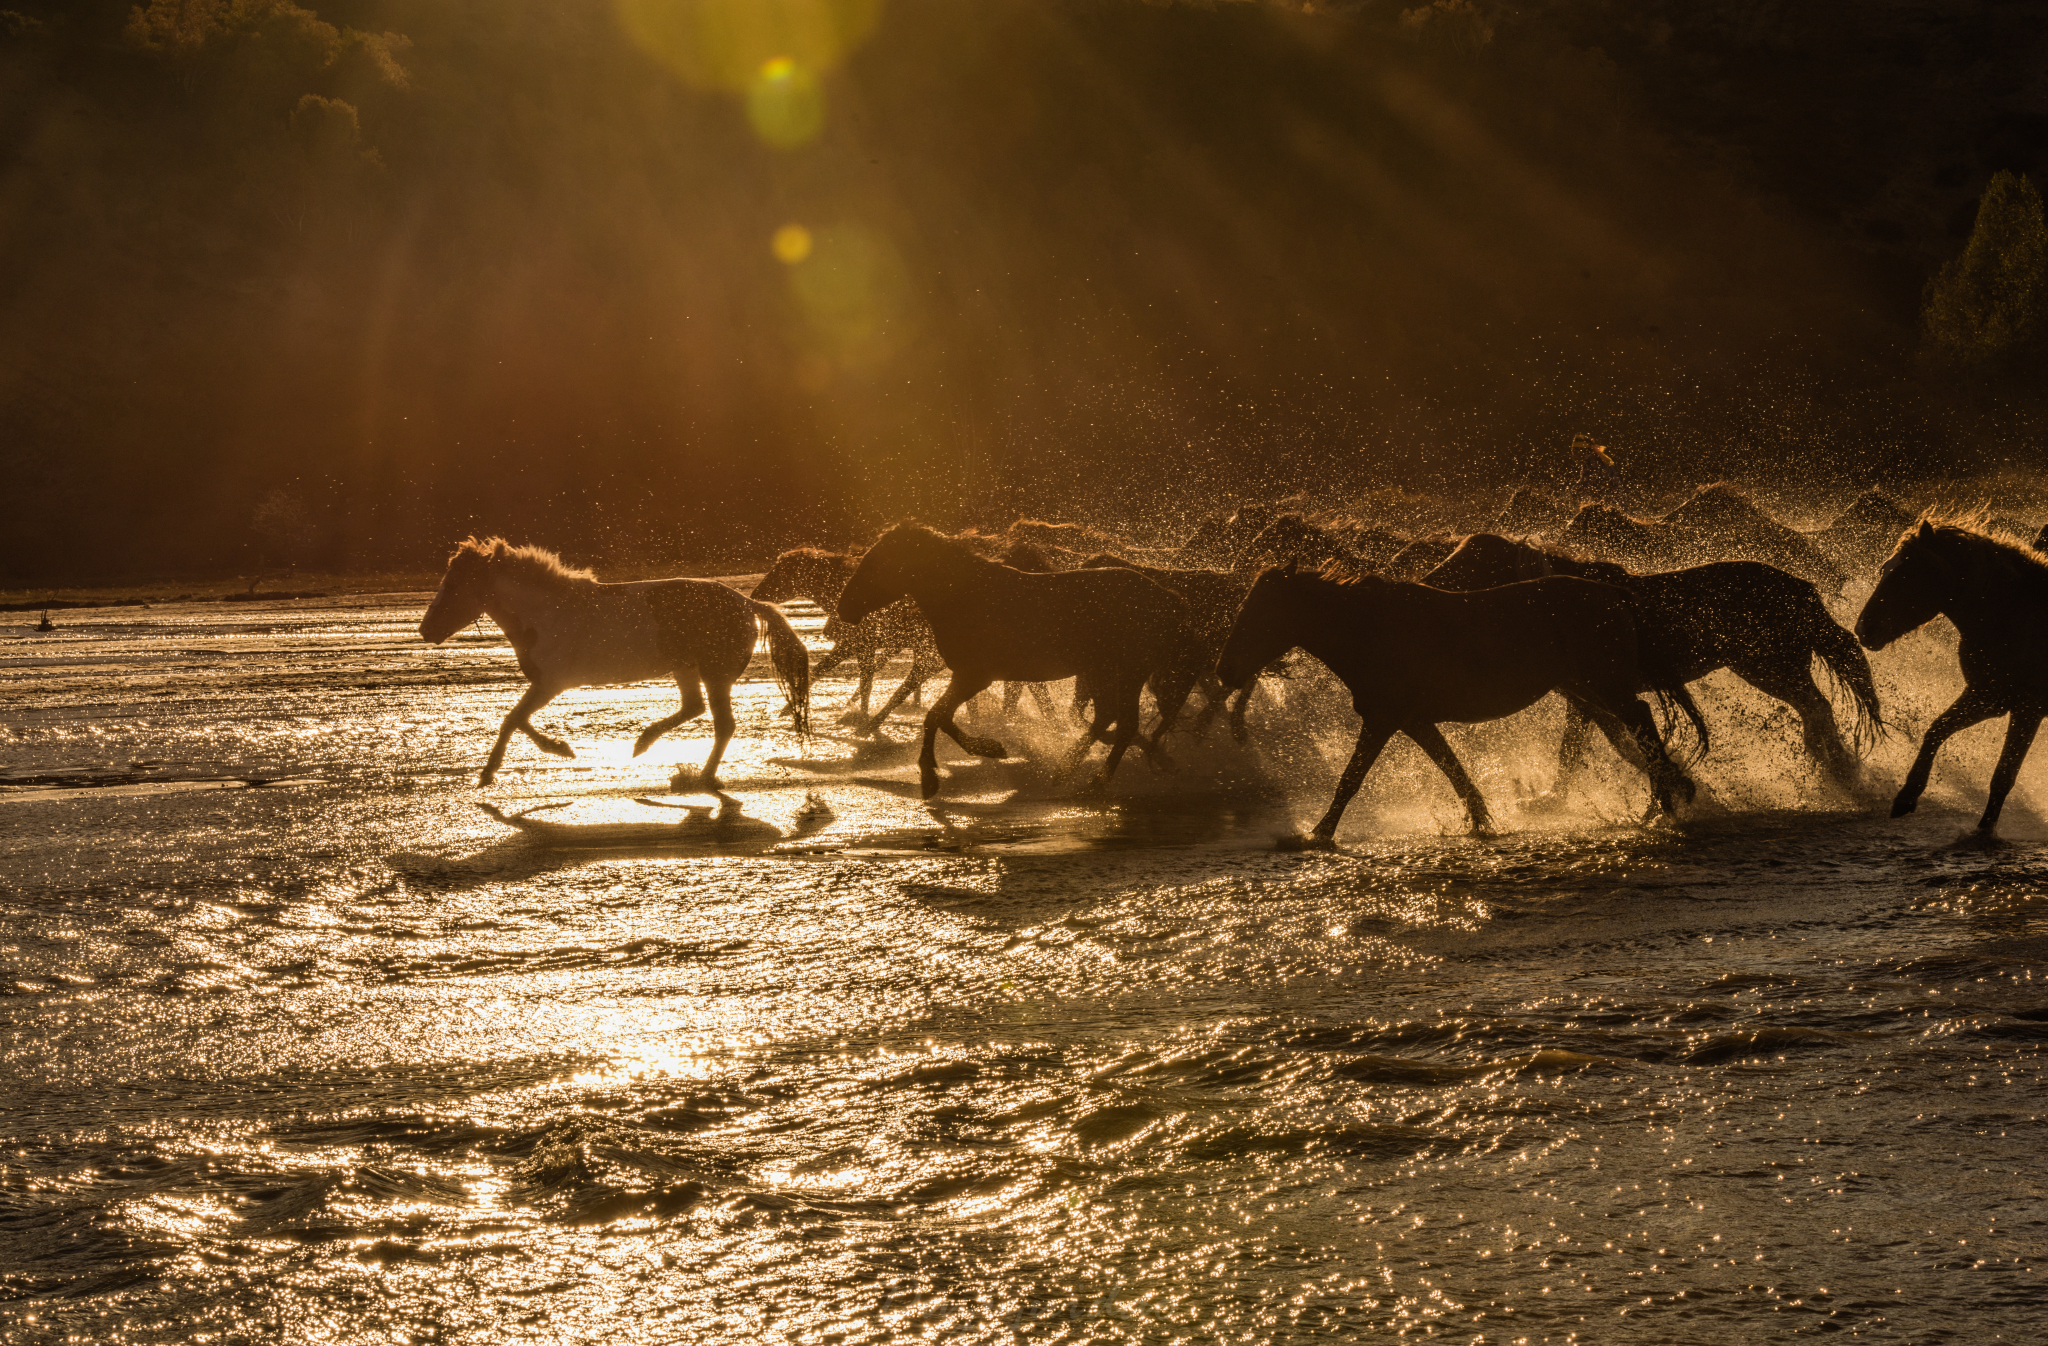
(987, 747)
(1904, 805)
(928, 787)
(487, 777)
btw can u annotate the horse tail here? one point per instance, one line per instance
(1847, 665)
(792, 661)
(1672, 693)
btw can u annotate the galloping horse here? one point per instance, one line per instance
(1414, 656)
(807, 572)
(570, 631)
(1997, 596)
(1761, 624)
(1113, 628)
(1213, 598)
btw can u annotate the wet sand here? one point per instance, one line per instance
(307, 1045)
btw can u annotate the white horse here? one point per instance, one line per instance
(570, 631)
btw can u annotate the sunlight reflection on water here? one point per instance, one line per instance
(351, 1058)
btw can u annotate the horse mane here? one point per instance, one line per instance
(1718, 505)
(2016, 559)
(1873, 509)
(535, 564)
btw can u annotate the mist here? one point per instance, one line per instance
(329, 285)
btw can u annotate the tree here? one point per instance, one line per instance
(1991, 303)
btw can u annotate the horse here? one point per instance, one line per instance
(1291, 538)
(1413, 656)
(1761, 624)
(1419, 557)
(1220, 541)
(1864, 533)
(1213, 598)
(1726, 525)
(1533, 509)
(1997, 596)
(570, 631)
(1112, 628)
(807, 572)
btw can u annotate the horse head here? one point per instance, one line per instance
(460, 599)
(1913, 586)
(805, 572)
(1267, 626)
(887, 570)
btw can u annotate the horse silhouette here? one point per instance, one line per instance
(1756, 621)
(1997, 596)
(1111, 627)
(1414, 657)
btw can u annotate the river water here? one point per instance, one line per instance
(300, 1044)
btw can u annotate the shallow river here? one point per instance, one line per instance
(341, 1056)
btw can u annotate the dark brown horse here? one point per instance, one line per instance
(1997, 596)
(1761, 624)
(1112, 627)
(1213, 598)
(1726, 525)
(820, 576)
(1414, 657)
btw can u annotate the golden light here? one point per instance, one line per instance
(854, 292)
(729, 44)
(791, 244)
(785, 106)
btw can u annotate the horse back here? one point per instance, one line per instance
(700, 622)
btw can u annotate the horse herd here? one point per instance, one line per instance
(1420, 631)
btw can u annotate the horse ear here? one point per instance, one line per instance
(1926, 529)
(1293, 565)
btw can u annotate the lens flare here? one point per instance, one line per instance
(727, 44)
(785, 106)
(854, 293)
(791, 244)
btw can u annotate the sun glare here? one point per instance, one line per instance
(791, 244)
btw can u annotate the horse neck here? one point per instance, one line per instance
(939, 580)
(520, 606)
(1988, 599)
(1315, 621)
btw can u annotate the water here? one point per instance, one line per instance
(342, 1057)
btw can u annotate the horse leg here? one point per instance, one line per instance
(1972, 707)
(1794, 686)
(2019, 736)
(547, 743)
(1170, 689)
(693, 706)
(1639, 726)
(720, 694)
(1240, 732)
(873, 724)
(940, 716)
(1127, 716)
(1371, 739)
(535, 698)
(1571, 749)
(1431, 740)
(1041, 698)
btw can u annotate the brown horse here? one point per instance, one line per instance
(1997, 596)
(1220, 541)
(1213, 598)
(1414, 657)
(1113, 627)
(807, 572)
(570, 631)
(1726, 525)
(1763, 625)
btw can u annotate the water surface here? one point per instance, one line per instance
(304, 1045)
